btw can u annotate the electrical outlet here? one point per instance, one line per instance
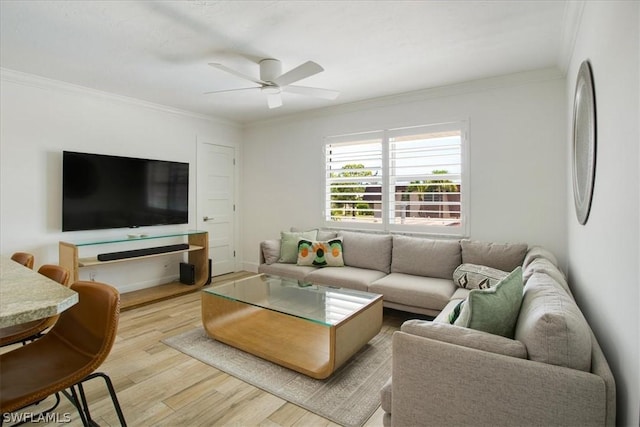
(92, 276)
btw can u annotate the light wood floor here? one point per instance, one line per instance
(159, 386)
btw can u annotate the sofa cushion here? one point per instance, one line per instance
(294, 271)
(552, 326)
(537, 252)
(460, 293)
(425, 257)
(543, 265)
(466, 337)
(344, 277)
(494, 310)
(417, 291)
(323, 234)
(364, 250)
(270, 250)
(473, 276)
(289, 244)
(326, 235)
(503, 256)
(320, 253)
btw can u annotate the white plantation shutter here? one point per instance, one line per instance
(406, 179)
(425, 177)
(353, 176)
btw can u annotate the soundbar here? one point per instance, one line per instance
(111, 256)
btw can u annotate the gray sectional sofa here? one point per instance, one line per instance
(552, 372)
(413, 274)
(549, 371)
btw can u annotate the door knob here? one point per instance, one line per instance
(206, 218)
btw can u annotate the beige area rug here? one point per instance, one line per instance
(349, 397)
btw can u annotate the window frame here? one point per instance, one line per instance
(387, 210)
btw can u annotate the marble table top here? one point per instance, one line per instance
(26, 295)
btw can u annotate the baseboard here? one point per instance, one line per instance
(250, 266)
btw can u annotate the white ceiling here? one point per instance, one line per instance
(158, 51)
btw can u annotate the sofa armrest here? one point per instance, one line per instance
(439, 383)
(452, 334)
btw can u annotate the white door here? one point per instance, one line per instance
(216, 205)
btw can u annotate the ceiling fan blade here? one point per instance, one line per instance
(303, 71)
(231, 90)
(236, 73)
(313, 91)
(274, 100)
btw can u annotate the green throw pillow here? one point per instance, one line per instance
(289, 244)
(494, 310)
(320, 254)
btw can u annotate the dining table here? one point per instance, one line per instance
(27, 295)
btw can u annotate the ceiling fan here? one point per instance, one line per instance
(272, 82)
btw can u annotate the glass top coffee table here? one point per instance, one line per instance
(309, 328)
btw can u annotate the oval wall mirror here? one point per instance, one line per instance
(584, 142)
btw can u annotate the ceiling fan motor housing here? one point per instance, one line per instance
(270, 69)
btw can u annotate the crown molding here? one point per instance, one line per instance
(472, 86)
(32, 80)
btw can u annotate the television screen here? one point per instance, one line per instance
(100, 191)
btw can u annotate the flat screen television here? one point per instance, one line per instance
(100, 191)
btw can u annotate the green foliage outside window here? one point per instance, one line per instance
(347, 196)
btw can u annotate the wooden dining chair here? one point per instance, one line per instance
(23, 258)
(30, 331)
(66, 357)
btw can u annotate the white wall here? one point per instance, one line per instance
(603, 254)
(517, 158)
(41, 118)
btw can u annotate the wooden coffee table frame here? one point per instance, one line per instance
(312, 348)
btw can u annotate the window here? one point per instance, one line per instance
(408, 179)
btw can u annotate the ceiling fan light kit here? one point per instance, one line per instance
(272, 82)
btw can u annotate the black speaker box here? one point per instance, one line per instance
(187, 273)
